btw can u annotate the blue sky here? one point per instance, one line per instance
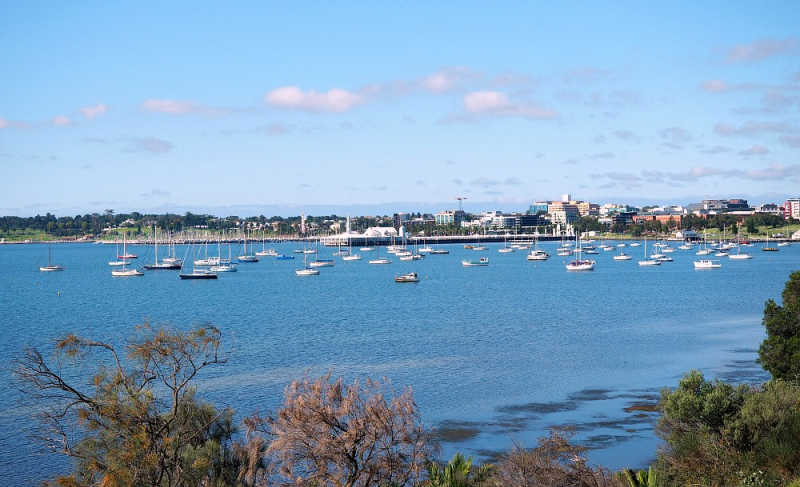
(335, 105)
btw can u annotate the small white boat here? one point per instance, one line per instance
(703, 252)
(367, 249)
(657, 256)
(321, 263)
(116, 263)
(721, 253)
(306, 272)
(667, 250)
(479, 248)
(380, 261)
(440, 252)
(563, 252)
(635, 244)
(410, 277)
(403, 253)
(267, 253)
(685, 247)
(482, 262)
(649, 262)
(784, 244)
(127, 273)
(707, 264)
(247, 258)
(310, 251)
(580, 265)
(665, 258)
(538, 255)
(739, 256)
(505, 250)
(622, 256)
(425, 250)
(607, 248)
(351, 257)
(620, 245)
(223, 268)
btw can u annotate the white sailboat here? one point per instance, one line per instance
(378, 260)
(125, 272)
(245, 257)
(579, 265)
(50, 267)
(648, 262)
(306, 270)
(156, 265)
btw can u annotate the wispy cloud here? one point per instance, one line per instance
(484, 182)
(755, 150)
(773, 172)
(790, 140)
(626, 135)
(156, 193)
(717, 149)
(93, 111)
(4, 123)
(760, 50)
(601, 155)
(61, 121)
(448, 79)
(152, 145)
(753, 128)
(181, 107)
(478, 104)
(334, 100)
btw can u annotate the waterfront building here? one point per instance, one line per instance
(449, 217)
(791, 209)
(538, 207)
(770, 209)
(563, 213)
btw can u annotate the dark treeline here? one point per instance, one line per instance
(138, 422)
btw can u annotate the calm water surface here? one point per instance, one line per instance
(495, 354)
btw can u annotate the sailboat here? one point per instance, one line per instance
(223, 265)
(126, 272)
(306, 270)
(118, 262)
(50, 267)
(350, 255)
(198, 273)
(536, 253)
(648, 262)
(767, 248)
(171, 258)
(156, 265)
(505, 249)
(380, 260)
(580, 264)
(245, 257)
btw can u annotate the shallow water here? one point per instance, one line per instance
(495, 354)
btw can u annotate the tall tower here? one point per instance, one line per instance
(302, 224)
(348, 225)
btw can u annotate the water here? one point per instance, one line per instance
(495, 354)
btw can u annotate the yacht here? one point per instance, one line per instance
(580, 265)
(410, 277)
(538, 254)
(479, 248)
(635, 244)
(306, 270)
(156, 265)
(440, 251)
(127, 273)
(378, 260)
(246, 257)
(427, 249)
(653, 260)
(351, 257)
(707, 264)
(784, 244)
(223, 268)
(321, 263)
(367, 249)
(622, 256)
(199, 274)
(482, 262)
(50, 267)
(505, 250)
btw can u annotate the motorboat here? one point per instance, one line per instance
(199, 274)
(380, 261)
(707, 264)
(321, 263)
(482, 262)
(308, 271)
(127, 273)
(410, 277)
(538, 254)
(622, 256)
(580, 265)
(351, 257)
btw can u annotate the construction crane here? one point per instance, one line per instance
(461, 202)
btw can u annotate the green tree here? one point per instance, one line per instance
(139, 420)
(779, 353)
(459, 472)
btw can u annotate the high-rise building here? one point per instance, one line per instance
(791, 209)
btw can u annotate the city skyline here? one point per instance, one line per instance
(268, 106)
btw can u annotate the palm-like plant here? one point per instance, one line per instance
(457, 473)
(642, 478)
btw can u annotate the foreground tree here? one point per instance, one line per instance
(554, 462)
(139, 422)
(779, 353)
(458, 472)
(329, 433)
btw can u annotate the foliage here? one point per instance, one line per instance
(344, 435)
(780, 351)
(139, 421)
(554, 462)
(459, 472)
(642, 478)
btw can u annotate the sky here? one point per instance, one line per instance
(258, 107)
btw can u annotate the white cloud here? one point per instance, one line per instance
(753, 128)
(153, 145)
(334, 100)
(173, 107)
(94, 111)
(61, 120)
(761, 49)
(3, 123)
(498, 103)
(716, 86)
(447, 79)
